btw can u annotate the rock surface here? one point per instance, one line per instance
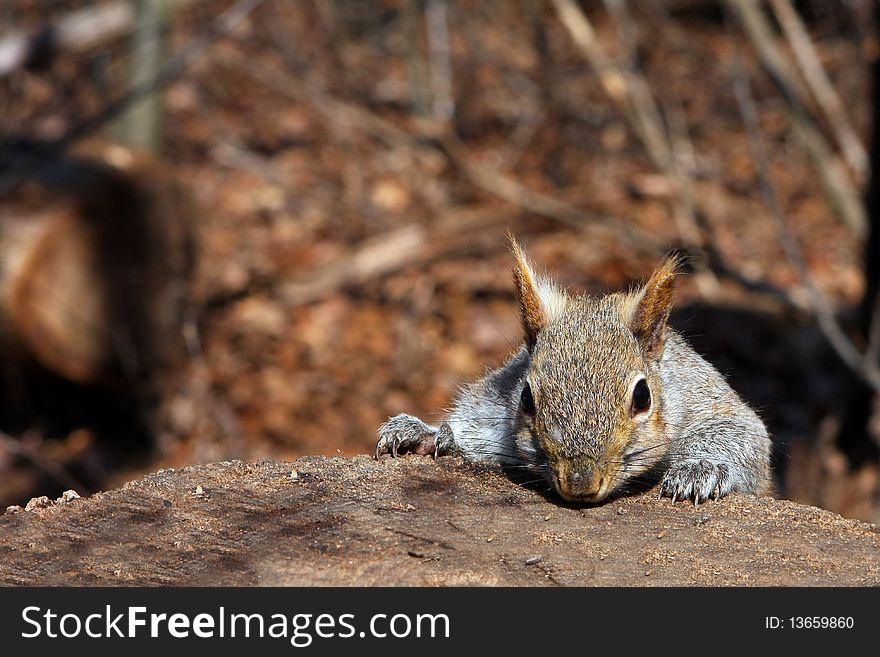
(415, 521)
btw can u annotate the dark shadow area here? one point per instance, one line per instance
(69, 436)
(94, 288)
(782, 366)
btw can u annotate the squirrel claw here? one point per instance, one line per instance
(444, 442)
(406, 434)
(698, 480)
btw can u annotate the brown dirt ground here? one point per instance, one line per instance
(414, 521)
(285, 190)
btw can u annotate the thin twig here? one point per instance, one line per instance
(844, 196)
(872, 353)
(627, 32)
(437, 31)
(628, 92)
(416, 67)
(823, 91)
(631, 93)
(828, 323)
(21, 449)
(222, 414)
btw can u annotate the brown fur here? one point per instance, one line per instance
(648, 321)
(532, 314)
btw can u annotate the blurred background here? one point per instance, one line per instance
(255, 229)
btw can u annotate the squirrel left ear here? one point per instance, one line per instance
(539, 300)
(653, 304)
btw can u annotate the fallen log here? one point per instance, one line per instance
(416, 521)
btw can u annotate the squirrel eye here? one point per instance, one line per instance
(527, 401)
(641, 400)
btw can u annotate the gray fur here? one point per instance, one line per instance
(720, 445)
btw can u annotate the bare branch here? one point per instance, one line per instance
(630, 92)
(872, 353)
(817, 79)
(46, 464)
(845, 198)
(141, 124)
(437, 29)
(416, 66)
(828, 324)
(627, 32)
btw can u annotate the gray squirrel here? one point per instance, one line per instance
(603, 398)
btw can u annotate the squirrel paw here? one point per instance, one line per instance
(404, 433)
(696, 479)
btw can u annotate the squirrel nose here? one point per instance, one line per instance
(584, 482)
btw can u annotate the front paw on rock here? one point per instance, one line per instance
(697, 480)
(404, 434)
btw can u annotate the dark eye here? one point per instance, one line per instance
(527, 401)
(641, 401)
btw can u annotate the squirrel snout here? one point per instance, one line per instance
(582, 482)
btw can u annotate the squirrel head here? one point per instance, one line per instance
(591, 397)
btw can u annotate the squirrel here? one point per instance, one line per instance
(602, 399)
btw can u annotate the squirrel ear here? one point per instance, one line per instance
(653, 304)
(539, 300)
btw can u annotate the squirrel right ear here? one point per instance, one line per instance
(539, 300)
(653, 304)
